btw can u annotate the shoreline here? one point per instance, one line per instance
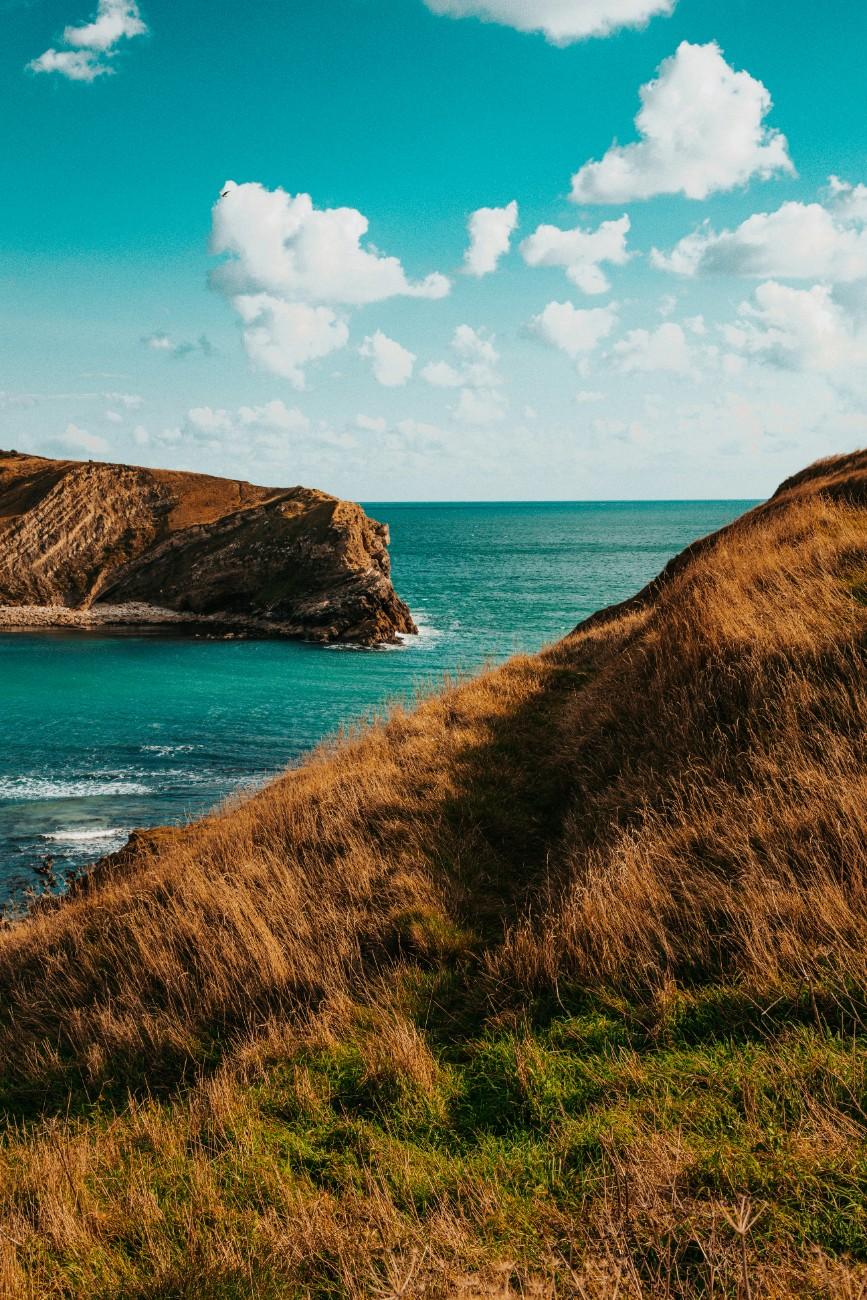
(139, 617)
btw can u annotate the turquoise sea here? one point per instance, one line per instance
(101, 733)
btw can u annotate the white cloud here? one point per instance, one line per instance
(561, 21)
(587, 397)
(850, 201)
(93, 45)
(162, 342)
(205, 419)
(491, 231)
(477, 361)
(76, 439)
(114, 417)
(702, 129)
(662, 349)
(392, 364)
(799, 329)
(76, 65)
(275, 415)
(572, 329)
(371, 424)
(283, 337)
(480, 406)
(440, 374)
(264, 427)
(282, 244)
(476, 372)
(580, 251)
(116, 20)
(289, 265)
(799, 241)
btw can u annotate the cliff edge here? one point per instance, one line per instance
(89, 543)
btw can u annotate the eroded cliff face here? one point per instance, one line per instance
(95, 537)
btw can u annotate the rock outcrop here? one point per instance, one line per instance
(101, 543)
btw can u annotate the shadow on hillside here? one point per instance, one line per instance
(488, 837)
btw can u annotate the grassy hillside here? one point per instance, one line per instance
(554, 986)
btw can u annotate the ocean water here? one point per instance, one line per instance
(102, 733)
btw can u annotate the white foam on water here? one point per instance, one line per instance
(427, 634)
(24, 789)
(426, 631)
(72, 836)
(165, 750)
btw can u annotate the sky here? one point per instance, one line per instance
(437, 249)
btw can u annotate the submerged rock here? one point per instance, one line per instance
(91, 544)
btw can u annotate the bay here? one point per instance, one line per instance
(102, 733)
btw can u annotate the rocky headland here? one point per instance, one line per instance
(87, 544)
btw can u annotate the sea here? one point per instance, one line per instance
(101, 733)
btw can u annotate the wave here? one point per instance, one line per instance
(427, 634)
(165, 750)
(24, 789)
(72, 836)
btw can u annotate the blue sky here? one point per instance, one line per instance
(714, 368)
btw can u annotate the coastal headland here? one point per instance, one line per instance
(86, 544)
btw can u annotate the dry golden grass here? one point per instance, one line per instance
(674, 797)
(678, 791)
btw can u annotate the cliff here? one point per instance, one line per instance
(99, 543)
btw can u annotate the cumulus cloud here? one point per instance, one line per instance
(580, 252)
(115, 21)
(799, 329)
(475, 371)
(91, 46)
(75, 65)
(850, 201)
(291, 271)
(574, 330)
(799, 241)
(392, 364)
(266, 426)
(702, 129)
(491, 231)
(282, 244)
(662, 349)
(561, 21)
(284, 337)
